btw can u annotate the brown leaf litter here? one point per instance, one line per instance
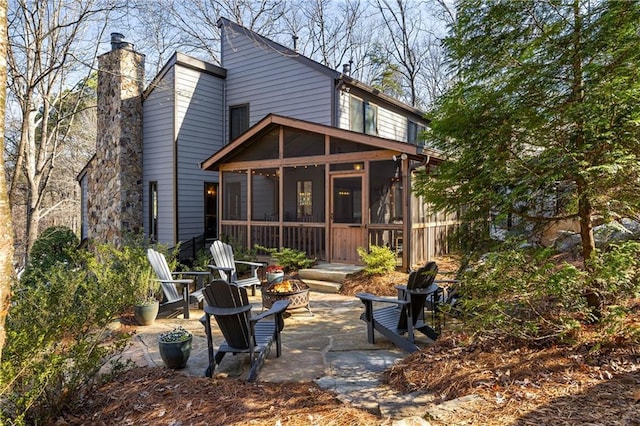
(588, 383)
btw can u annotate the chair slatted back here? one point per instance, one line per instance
(422, 280)
(161, 268)
(234, 326)
(223, 257)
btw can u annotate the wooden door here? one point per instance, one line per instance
(347, 224)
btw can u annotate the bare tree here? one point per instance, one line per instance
(326, 32)
(410, 34)
(7, 273)
(191, 25)
(51, 44)
(157, 33)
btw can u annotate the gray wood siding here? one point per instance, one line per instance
(391, 124)
(157, 145)
(199, 133)
(273, 83)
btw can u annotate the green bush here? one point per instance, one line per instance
(529, 294)
(56, 245)
(378, 260)
(290, 259)
(58, 337)
(126, 270)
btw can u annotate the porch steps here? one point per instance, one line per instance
(327, 277)
(323, 286)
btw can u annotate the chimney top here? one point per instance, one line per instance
(118, 42)
(295, 42)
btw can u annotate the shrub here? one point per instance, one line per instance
(532, 294)
(379, 260)
(56, 245)
(290, 259)
(57, 334)
(127, 271)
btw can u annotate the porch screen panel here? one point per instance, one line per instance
(340, 146)
(385, 193)
(304, 192)
(265, 200)
(299, 143)
(266, 147)
(234, 195)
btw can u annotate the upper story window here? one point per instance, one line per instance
(238, 120)
(414, 132)
(363, 116)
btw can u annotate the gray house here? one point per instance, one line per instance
(271, 148)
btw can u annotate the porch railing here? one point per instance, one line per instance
(306, 237)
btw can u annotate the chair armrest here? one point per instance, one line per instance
(192, 273)
(373, 298)
(180, 281)
(246, 262)
(433, 288)
(221, 268)
(401, 289)
(447, 281)
(253, 264)
(278, 307)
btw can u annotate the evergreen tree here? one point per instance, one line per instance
(542, 123)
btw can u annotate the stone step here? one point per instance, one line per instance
(329, 272)
(323, 286)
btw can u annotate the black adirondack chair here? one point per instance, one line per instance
(243, 333)
(225, 264)
(405, 316)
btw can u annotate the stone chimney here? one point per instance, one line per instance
(114, 199)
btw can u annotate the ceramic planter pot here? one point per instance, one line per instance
(175, 354)
(274, 277)
(145, 314)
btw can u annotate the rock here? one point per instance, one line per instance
(632, 226)
(567, 241)
(610, 232)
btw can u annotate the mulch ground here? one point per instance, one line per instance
(559, 385)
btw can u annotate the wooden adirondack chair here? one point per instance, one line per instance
(243, 333)
(406, 315)
(225, 264)
(173, 299)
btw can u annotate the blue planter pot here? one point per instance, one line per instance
(175, 354)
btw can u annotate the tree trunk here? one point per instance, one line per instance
(586, 228)
(585, 210)
(7, 273)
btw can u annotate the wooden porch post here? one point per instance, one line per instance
(281, 188)
(406, 213)
(249, 202)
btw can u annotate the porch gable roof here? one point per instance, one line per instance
(413, 151)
